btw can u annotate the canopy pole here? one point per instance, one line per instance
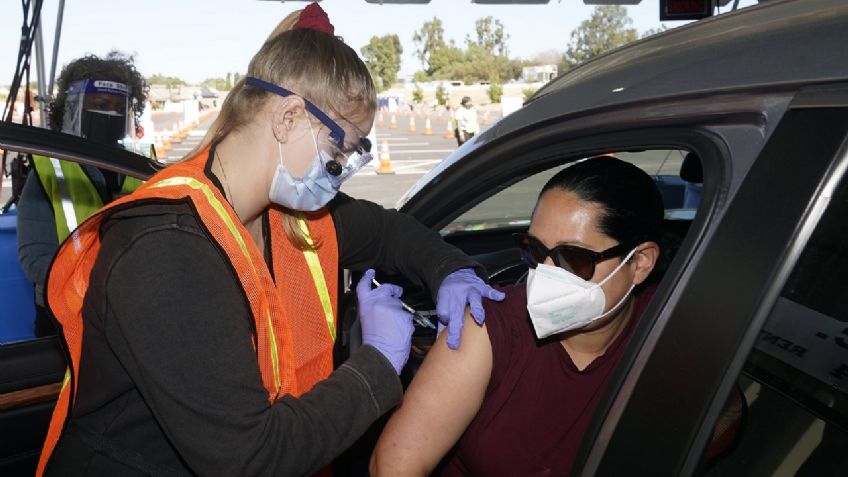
(56, 39)
(41, 81)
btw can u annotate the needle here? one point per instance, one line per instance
(416, 316)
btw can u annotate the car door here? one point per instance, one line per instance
(31, 369)
(736, 311)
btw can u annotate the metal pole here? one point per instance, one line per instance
(41, 81)
(56, 40)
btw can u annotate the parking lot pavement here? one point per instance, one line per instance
(166, 121)
(412, 154)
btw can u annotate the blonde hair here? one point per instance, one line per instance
(285, 24)
(315, 65)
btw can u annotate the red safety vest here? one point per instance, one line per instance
(294, 317)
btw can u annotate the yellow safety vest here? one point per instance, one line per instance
(71, 193)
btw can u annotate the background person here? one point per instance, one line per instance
(517, 397)
(99, 99)
(466, 118)
(199, 312)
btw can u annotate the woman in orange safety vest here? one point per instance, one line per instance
(199, 312)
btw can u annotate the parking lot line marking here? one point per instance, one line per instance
(411, 167)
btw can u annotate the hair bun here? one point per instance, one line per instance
(313, 17)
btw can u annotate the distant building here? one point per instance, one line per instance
(538, 74)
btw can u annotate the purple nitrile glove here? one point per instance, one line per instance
(385, 324)
(460, 288)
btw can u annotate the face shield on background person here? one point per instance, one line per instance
(97, 110)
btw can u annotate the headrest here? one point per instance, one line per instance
(691, 170)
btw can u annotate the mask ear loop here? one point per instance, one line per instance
(626, 295)
(312, 133)
(619, 267)
(314, 141)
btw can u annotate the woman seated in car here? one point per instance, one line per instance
(522, 389)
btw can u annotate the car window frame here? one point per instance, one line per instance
(608, 452)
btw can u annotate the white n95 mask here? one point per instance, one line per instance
(559, 301)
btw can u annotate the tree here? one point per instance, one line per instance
(443, 59)
(527, 92)
(418, 94)
(228, 84)
(441, 95)
(490, 36)
(169, 81)
(429, 38)
(607, 28)
(495, 92)
(654, 31)
(382, 56)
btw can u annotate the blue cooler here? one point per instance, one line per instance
(17, 298)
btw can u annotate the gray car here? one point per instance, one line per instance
(740, 364)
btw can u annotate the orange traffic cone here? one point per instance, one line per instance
(158, 146)
(428, 129)
(393, 124)
(385, 160)
(175, 135)
(411, 127)
(380, 120)
(449, 130)
(485, 118)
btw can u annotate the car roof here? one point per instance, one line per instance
(780, 42)
(776, 46)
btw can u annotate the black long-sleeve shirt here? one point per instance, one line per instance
(169, 382)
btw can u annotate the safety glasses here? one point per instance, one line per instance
(577, 260)
(345, 160)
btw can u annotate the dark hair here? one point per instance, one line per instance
(115, 67)
(632, 204)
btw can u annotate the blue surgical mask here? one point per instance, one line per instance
(308, 193)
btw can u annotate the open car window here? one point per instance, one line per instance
(513, 206)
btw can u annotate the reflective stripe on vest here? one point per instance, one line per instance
(72, 195)
(314, 263)
(231, 226)
(292, 344)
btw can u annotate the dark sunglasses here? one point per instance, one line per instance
(577, 260)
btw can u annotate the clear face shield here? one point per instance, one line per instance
(97, 110)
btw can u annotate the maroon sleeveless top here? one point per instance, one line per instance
(537, 405)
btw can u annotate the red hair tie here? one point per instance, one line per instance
(313, 17)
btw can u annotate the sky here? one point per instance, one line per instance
(195, 40)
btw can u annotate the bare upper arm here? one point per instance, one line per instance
(440, 403)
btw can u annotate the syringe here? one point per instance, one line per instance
(416, 316)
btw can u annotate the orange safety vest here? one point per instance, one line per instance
(294, 317)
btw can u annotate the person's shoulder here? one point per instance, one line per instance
(508, 317)
(147, 217)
